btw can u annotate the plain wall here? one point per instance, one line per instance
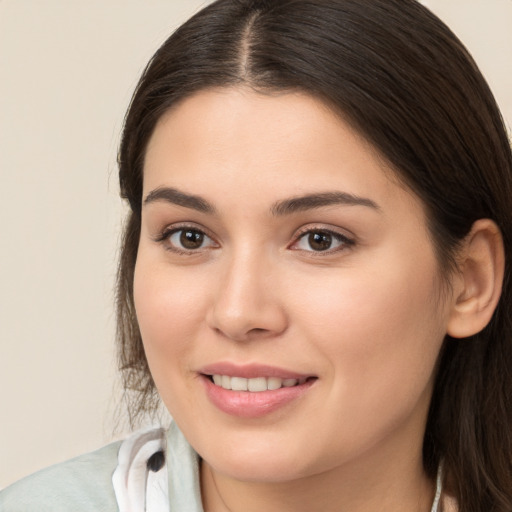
(67, 71)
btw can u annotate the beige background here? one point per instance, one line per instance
(67, 69)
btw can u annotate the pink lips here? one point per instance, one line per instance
(250, 371)
(246, 404)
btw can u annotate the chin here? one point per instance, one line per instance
(264, 464)
(269, 471)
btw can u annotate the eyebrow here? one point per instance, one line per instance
(173, 196)
(320, 200)
(284, 207)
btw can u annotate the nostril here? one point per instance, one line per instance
(257, 330)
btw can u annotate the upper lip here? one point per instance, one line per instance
(250, 371)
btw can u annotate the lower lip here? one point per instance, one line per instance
(247, 404)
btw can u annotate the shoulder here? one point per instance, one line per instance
(127, 475)
(80, 484)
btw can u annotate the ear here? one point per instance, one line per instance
(477, 288)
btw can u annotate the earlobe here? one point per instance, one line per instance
(481, 266)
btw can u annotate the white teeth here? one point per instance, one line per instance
(274, 383)
(226, 382)
(239, 384)
(256, 384)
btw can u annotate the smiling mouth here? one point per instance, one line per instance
(256, 384)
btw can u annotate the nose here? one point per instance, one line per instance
(247, 303)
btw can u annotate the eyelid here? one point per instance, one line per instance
(347, 239)
(164, 235)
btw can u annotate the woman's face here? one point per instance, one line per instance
(278, 254)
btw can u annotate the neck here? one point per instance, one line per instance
(397, 486)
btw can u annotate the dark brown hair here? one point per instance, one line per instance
(405, 83)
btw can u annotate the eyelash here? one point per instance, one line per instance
(344, 241)
(165, 239)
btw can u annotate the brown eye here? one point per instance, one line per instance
(320, 241)
(188, 239)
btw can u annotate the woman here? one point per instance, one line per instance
(315, 274)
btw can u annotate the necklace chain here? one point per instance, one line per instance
(439, 489)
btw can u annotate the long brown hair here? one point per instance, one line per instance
(408, 85)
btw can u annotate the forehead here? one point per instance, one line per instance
(289, 143)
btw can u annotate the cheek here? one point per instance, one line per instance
(169, 306)
(380, 331)
(355, 302)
